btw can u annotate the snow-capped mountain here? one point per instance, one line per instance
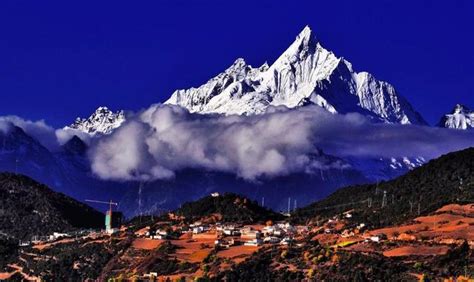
(102, 121)
(306, 73)
(461, 117)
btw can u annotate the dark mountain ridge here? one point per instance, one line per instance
(29, 208)
(447, 179)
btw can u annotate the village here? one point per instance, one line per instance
(231, 243)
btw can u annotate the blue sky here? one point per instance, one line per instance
(63, 59)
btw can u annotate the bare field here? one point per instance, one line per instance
(453, 222)
(238, 253)
(416, 251)
(327, 239)
(192, 250)
(5, 275)
(47, 245)
(146, 244)
(458, 209)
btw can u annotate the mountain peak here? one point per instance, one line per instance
(240, 62)
(102, 109)
(102, 121)
(237, 67)
(459, 108)
(304, 45)
(306, 34)
(461, 117)
(305, 74)
(75, 146)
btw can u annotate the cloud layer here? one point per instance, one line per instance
(39, 130)
(164, 139)
(45, 134)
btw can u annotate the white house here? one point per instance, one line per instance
(375, 239)
(271, 240)
(286, 241)
(254, 242)
(198, 229)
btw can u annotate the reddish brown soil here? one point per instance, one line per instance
(238, 253)
(146, 244)
(451, 222)
(5, 275)
(327, 239)
(416, 251)
(258, 227)
(47, 245)
(458, 209)
(361, 247)
(191, 250)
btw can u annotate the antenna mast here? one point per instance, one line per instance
(140, 198)
(289, 205)
(384, 200)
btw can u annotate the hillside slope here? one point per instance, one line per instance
(29, 208)
(448, 179)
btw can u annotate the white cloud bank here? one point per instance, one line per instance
(45, 134)
(164, 139)
(39, 130)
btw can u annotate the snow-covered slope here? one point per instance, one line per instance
(306, 73)
(102, 121)
(376, 169)
(461, 117)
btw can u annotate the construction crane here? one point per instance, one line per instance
(110, 203)
(113, 220)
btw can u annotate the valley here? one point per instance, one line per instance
(228, 236)
(300, 168)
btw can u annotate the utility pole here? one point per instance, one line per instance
(294, 206)
(263, 201)
(140, 200)
(289, 205)
(369, 202)
(411, 206)
(384, 200)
